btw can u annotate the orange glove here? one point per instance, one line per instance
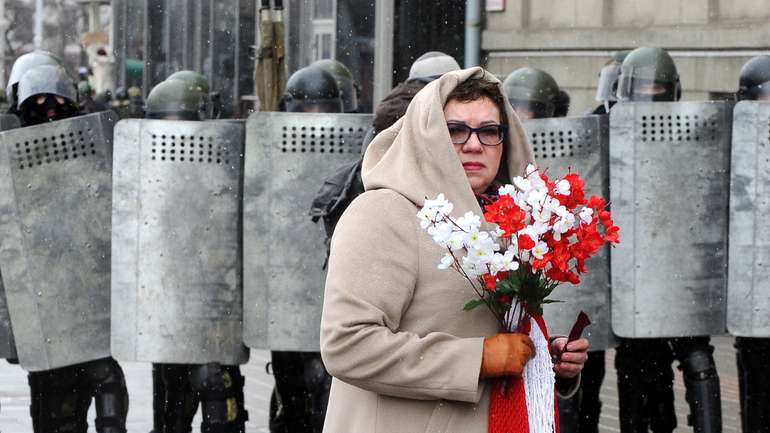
(506, 354)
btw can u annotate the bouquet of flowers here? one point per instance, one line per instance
(545, 231)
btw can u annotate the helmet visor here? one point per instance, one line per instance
(760, 92)
(640, 89)
(532, 109)
(608, 83)
(314, 106)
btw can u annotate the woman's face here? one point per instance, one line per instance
(480, 161)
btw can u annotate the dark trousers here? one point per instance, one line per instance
(178, 389)
(646, 378)
(581, 412)
(752, 355)
(301, 392)
(60, 398)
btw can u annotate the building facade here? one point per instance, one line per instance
(709, 40)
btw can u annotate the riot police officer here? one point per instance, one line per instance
(752, 353)
(606, 90)
(60, 397)
(645, 377)
(339, 189)
(348, 87)
(532, 93)
(46, 94)
(211, 104)
(302, 383)
(179, 388)
(23, 64)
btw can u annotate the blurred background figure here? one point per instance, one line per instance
(532, 92)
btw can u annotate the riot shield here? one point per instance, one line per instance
(8, 121)
(748, 284)
(7, 345)
(7, 349)
(55, 192)
(176, 242)
(669, 171)
(581, 145)
(288, 156)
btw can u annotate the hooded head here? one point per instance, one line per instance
(416, 156)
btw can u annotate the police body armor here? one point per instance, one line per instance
(176, 257)
(581, 145)
(55, 195)
(288, 157)
(669, 171)
(748, 294)
(7, 347)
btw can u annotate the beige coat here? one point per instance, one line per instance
(404, 355)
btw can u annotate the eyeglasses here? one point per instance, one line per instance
(488, 135)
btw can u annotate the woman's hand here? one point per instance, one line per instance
(573, 357)
(505, 354)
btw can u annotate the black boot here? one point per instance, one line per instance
(111, 395)
(754, 383)
(218, 399)
(59, 400)
(701, 381)
(179, 401)
(645, 386)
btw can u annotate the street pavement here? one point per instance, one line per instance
(14, 395)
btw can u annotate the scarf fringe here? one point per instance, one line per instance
(527, 404)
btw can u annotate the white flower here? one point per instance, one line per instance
(563, 224)
(474, 237)
(540, 250)
(439, 207)
(472, 268)
(586, 215)
(522, 184)
(533, 176)
(536, 197)
(508, 189)
(441, 233)
(446, 261)
(562, 187)
(456, 241)
(497, 233)
(504, 262)
(469, 222)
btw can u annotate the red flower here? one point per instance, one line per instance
(506, 214)
(525, 242)
(490, 281)
(576, 195)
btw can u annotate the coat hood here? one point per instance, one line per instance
(415, 157)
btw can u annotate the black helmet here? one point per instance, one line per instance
(606, 91)
(531, 91)
(312, 90)
(345, 82)
(754, 82)
(23, 64)
(649, 74)
(192, 78)
(174, 99)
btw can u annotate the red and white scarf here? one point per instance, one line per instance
(527, 404)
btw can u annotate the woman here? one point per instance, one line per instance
(404, 355)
